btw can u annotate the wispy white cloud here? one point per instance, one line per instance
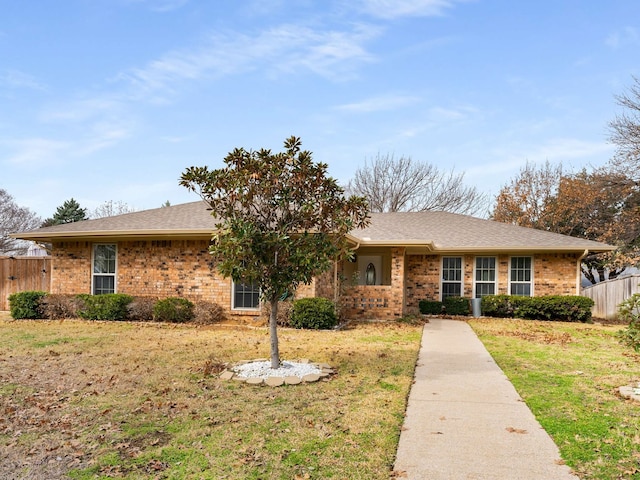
(82, 109)
(35, 152)
(94, 123)
(51, 152)
(447, 114)
(571, 153)
(16, 79)
(287, 49)
(380, 103)
(567, 149)
(160, 5)
(390, 9)
(437, 117)
(623, 37)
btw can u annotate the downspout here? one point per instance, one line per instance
(579, 272)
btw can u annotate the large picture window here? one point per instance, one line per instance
(485, 277)
(246, 295)
(521, 276)
(451, 277)
(104, 269)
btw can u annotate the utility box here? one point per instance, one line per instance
(475, 307)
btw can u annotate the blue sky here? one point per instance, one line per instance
(112, 99)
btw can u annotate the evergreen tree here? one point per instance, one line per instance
(69, 212)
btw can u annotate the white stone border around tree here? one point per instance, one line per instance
(629, 392)
(302, 371)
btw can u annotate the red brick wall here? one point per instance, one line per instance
(155, 268)
(71, 267)
(384, 302)
(160, 268)
(164, 268)
(553, 274)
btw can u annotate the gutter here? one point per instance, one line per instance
(579, 271)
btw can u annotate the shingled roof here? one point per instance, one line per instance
(425, 231)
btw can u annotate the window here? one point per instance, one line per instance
(246, 296)
(485, 276)
(521, 276)
(104, 269)
(451, 277)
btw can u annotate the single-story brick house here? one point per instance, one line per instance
(401, 258)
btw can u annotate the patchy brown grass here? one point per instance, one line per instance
(140, 400)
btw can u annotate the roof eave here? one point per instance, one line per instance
(367, 242)
(525, 248)
(111, 234)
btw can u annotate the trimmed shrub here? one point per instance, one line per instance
(174, 310)
(568, 308)
(207, 312)
(499, 305)
(430, 307)
(313, 313)
(285, 309)
(58, 306)
(629, 311)
(24, 305)
(456, 305)
(141, 309)
(109, 306)
(572, 308)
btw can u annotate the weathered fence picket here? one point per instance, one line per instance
(19, 274)
(611, 293)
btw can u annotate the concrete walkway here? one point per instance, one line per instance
(466, 421)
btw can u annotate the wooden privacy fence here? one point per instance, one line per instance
(19, 274)
(611, 293)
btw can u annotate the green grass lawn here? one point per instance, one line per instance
(568, 374)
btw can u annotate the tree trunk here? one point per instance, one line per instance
(273, 333)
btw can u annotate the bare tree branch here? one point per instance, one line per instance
(13, 219)
(625, 130)
(110, 209)
(400, 184)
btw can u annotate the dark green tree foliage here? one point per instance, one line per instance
(70, 211)
(280, 220)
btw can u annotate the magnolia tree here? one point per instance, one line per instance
(280, 220)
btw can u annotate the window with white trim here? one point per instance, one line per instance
(485, 276)
(521, 276)
(104, 269)
(451, 277)
(246, 295)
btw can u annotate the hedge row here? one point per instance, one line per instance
(308, 313)
(568, 308)
(449, 306)
(113, 306)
